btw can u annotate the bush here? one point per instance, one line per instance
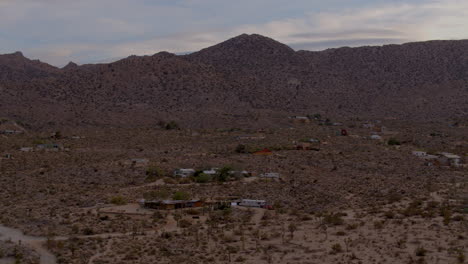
(203, 178)
(181, 196)
(393, 142)
(154, 172)
(171, 126)
(333, 219)
(241, 148)
(118, 200)
(420, 252)
(336, 248)
(157, 195)
(223, 174)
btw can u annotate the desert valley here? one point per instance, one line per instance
(244, 152)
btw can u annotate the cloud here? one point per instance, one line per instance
(58, 31)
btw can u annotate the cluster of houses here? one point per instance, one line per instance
(186, 173)
(11, 132)
(211, 204)
(43, 147)
(440, 159)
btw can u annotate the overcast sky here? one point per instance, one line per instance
(86, 31)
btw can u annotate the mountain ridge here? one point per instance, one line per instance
(251, 76)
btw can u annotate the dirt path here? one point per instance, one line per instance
(35, 243)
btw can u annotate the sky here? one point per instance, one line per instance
(92, 31)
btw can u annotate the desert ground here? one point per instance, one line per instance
(345, 199)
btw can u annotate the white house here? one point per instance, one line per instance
(212, 171)
(449, 159)
(184, 173)
(252, 203)
(270, 175)
(419, 153)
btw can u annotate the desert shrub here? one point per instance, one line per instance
(180, 195)
(157, 195)
(340, 233)
(118, 200)
(420, 251)
(203, 178)
(389, 214)
(461, 256)
(171, 125)
(336, 248)
(378, 224)
(333, 219)
(154, 172)
(223, 174)
(184, 223)
(88, 231)
(241, 148)
(393, 142)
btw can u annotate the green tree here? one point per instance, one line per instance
(180, 195)
(203, 178)
(223, 174)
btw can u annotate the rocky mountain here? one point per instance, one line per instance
(246, 80)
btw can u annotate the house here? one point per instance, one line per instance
(170, 204)
(26, 149)
(11, 132)
(212, 171)
(240, 173)
(184, 173)
(299, 119)
(251, 203)
(270, 175)
(314, 140)
(419, 153)
(49, 147)
(264, 152)
(250, 137)
(449, 159)
(375, 137)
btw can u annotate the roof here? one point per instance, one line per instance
(170, 201)
(450, 155)
(264, 151)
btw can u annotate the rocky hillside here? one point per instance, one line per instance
(247, 80)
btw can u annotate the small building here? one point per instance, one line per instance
(170, 204)
(314, 140)
(212, 171)
(139, 162)
(270, 175)
(26, 149)
(419, 153)
(49, 147)
(240, 173)
(11, 132)
(250, 137)
(264, 152)
(375, 137)
(449, 159)
(184, 173)
(300, 119)
(251, 203)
